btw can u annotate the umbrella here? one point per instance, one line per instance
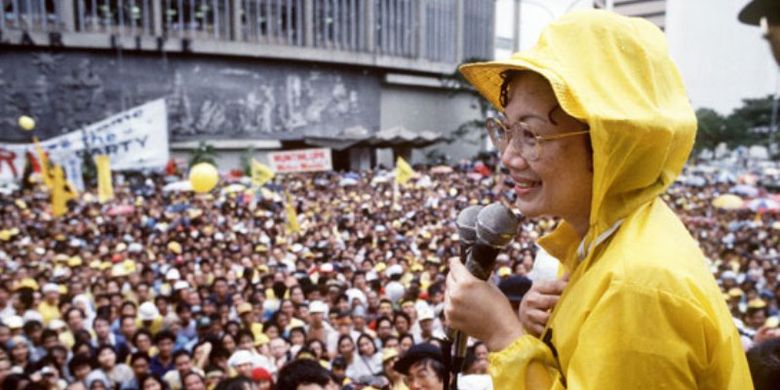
(348, 181)
(728, 202)
(183, 185)
(441, 169)
(745, 190)
(693, 181)
(769, 171)
(236, 187)
(381, 179)
(123, 209)
(748, 179)
(763, 204)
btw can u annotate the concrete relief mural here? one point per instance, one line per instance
(206, 97)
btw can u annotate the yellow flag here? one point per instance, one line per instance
(292, 217)
(43, 160)
(61, 192)
(403, 171)
(261, 173)
(105, 186)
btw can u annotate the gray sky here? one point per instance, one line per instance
(721, 60)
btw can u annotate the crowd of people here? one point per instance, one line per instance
(161, 289)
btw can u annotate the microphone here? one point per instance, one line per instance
(467, 229)
(496, 227)
(482, 238)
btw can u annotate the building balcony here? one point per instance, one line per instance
(426, 36)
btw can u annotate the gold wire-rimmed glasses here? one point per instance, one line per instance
(521, 135)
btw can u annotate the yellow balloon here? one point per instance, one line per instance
(203, 177)
(26, 123)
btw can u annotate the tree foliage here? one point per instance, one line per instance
(205, 152)
(746, 125)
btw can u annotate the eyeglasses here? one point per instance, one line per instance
(522, 136)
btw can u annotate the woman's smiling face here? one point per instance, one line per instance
(559, 182)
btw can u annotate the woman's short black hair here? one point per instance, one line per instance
(163, 384)
(302, 372)
(764, 363)
(507, 77)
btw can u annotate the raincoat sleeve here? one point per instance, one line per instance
(638, 337)
(524, 364)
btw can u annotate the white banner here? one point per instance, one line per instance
(134, 139)
(302, 160)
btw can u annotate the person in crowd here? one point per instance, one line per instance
(764, 13)
(305, 375)
(152, 382)
(193, 381)
(367, 362)
(118, 374)
(422, 367)
(389, 357)
(163, 362)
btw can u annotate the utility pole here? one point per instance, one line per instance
(516, 27)
(773, 123)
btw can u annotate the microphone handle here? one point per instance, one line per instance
(480, 260)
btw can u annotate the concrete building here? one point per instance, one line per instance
(241, 74)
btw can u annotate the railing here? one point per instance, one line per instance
(205, 19)
(340, 24)
(40, 15)
(431, 30)
(132, 17)
(273, 21)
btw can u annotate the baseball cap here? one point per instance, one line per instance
(317, 307)
(261, 374)
(240, 357)
(244, 307)
(389, 353)
(148, 311)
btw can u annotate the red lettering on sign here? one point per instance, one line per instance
(7, 156)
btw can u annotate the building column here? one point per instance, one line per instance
(370, 24)
(516, 27)
(235, 19)
(157, 18)
(459, 19)
(67, 15)
(308, 23)
(422, 6)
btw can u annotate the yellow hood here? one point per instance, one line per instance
(614, 73)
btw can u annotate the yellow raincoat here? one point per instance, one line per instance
(641, 309)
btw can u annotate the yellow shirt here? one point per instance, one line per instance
(48, 312)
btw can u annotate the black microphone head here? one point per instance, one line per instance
(467, 224)
(496, 225)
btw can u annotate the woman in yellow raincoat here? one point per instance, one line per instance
(596, 125)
